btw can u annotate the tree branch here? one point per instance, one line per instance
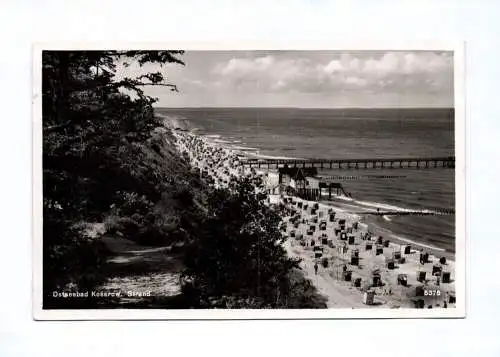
(172, 86)
(53, 128)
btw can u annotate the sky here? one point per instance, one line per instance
(306, 79)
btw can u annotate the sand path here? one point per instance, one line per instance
(149, 272)
(337, 298)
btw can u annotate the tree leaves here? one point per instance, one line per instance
(236, 251)
(95, 152)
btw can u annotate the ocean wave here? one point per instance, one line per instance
(343, 198)
(214, 136)
(261, 156)
(221, 141)
(417, 243)
(388, 207)
(243, 148)
(384, 206)
(372, 206)
(366, 226)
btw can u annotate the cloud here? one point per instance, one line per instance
(195, 82)
(418, 72)
(243, 66)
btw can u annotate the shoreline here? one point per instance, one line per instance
(404, 229)
(339, 293)
(338, 253)
(402, 240)
(378, 230)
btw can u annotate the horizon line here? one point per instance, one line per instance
(292, 107)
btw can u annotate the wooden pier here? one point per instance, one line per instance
(341, 164)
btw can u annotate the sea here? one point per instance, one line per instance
(347, 134)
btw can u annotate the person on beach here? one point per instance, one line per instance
(316, 268)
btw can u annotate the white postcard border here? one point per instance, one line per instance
(461, 191)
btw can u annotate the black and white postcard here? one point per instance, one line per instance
(248, 181)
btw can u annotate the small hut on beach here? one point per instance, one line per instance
(369, 297)
(421, 274)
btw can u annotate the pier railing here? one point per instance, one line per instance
(378, 163)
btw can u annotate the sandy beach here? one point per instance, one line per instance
(341, 257)
(356, 268)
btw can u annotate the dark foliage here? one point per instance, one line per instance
(95, 157)
(236, 258)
